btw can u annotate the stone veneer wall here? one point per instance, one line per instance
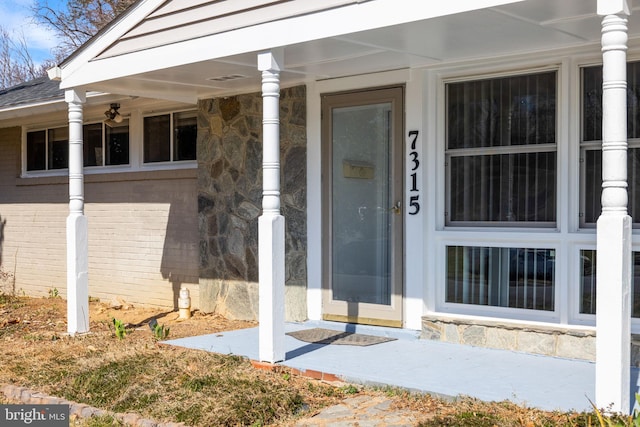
(550, 341)
(230, 200)
(545, 340)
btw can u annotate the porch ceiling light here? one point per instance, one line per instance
(113, 115)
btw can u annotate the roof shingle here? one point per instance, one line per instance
(33, 91)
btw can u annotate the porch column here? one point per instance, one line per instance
(271, 224)
(77, 243)
(613, 304)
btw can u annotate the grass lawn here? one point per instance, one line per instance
(136, 373)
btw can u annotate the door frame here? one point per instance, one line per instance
(350, 312)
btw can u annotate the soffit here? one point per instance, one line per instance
(225, 62)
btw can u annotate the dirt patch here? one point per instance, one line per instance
(40, 319)
(167, 384)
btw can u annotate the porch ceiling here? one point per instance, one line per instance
(521, 27)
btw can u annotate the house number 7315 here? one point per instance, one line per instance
(414, 192)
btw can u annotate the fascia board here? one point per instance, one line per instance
(97, 45)
(31, 109)
(43, 107)
(325, 24)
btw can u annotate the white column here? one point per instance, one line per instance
(271, 223)
(77, 242)
(613, 305)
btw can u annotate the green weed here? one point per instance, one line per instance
(10, 302)
(119, 328)
(349, 389)
(160, 332)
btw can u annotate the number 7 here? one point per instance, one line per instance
(414, 134)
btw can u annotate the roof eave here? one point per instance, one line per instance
(85, 70)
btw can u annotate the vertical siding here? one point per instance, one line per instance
(143, 232)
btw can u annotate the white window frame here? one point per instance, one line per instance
(585, 236)
(104, 166)
(586, 146)
(136, 147)
(46, 171)
(520, 235)
(567, 238)
(497, 150)
(171, 161)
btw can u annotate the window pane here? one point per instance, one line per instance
(157, 139)
(117, 142)
(593, 184)
(185, 130)
(502, 112)
(592, 102)
(58, 148)
(504, 188)
(36, 151)
(501, 277)
(588, 283)
(92, 144)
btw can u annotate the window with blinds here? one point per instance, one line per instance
(501, 151)
(588, 287)
(591, 142)
(501, 277)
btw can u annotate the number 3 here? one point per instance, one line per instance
(414, 200)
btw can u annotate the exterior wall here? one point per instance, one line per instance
(565, 331)
(143, 237)
(32, 254)
(416, 234)
(142, 232)
(230, 200)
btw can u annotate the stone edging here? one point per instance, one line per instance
(80, 410)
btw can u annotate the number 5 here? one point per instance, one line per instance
(413, 202)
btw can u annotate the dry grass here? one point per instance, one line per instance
(137, 374)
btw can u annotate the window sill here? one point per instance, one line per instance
(91, 178)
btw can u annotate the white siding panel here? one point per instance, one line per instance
(178, 15)
(174, 23)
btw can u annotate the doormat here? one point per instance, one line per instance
(328, 336)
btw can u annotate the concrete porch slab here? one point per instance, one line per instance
(445, 369)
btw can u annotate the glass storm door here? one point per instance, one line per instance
(362, 211)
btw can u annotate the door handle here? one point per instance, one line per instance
(397, 208)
